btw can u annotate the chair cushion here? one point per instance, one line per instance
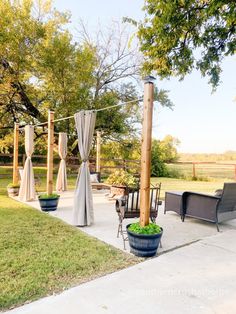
(94, 178)
(134, 197)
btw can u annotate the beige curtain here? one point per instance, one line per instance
(83, 201)
(27, 186)
(61, 184)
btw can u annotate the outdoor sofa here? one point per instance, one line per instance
(213, 208)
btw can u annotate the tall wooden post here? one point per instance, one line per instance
(98, 159)
(194, 170)
(146, 152)
(50, 152)
(15, 156)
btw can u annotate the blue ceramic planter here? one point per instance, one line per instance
(48, 204)
(143, 245)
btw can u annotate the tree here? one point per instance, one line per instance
(66, 76)
(24, 30)
(116, 74)
(168, 149)
(158, 167)
(42, 67)
(163, 151)
(178, 36)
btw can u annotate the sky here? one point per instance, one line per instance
(202, 121)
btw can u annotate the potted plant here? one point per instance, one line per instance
(48, 202)
(120, 180)
(13, 189)
(144, 241)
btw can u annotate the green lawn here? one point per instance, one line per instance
(40, 255)
(40, 176)
(170, 184)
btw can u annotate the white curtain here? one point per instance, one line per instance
(27, 186)
(61, 184)
(83, 201)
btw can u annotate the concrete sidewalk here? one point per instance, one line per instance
(195, 279)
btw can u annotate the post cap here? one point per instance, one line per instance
(149, 79)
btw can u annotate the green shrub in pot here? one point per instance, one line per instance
(122, 178)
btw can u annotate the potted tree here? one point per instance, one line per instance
(48, 202)
(119, 181)
(13, 189)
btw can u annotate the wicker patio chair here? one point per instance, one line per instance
(128, 206)
(213, 208)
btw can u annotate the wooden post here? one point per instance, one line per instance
(15, 156)
(146, 152)
(194, 170)
(98, 160)
(50, 152)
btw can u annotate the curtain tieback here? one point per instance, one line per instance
(84, 160)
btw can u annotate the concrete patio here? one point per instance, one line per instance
(176, 233)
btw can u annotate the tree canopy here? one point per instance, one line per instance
(42, 67)
(178, 36)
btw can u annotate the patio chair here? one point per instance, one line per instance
(95, 178)
(128, 206)
(213, 208)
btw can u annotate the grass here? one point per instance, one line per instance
(40, 176)
(41, 255)
(170, 184)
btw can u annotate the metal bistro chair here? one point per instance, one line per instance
(128, 206)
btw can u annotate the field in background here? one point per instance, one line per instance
(224, 170)
(209, 157)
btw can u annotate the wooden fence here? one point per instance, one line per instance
(107, 165)
(187, 169)
(205, 169)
